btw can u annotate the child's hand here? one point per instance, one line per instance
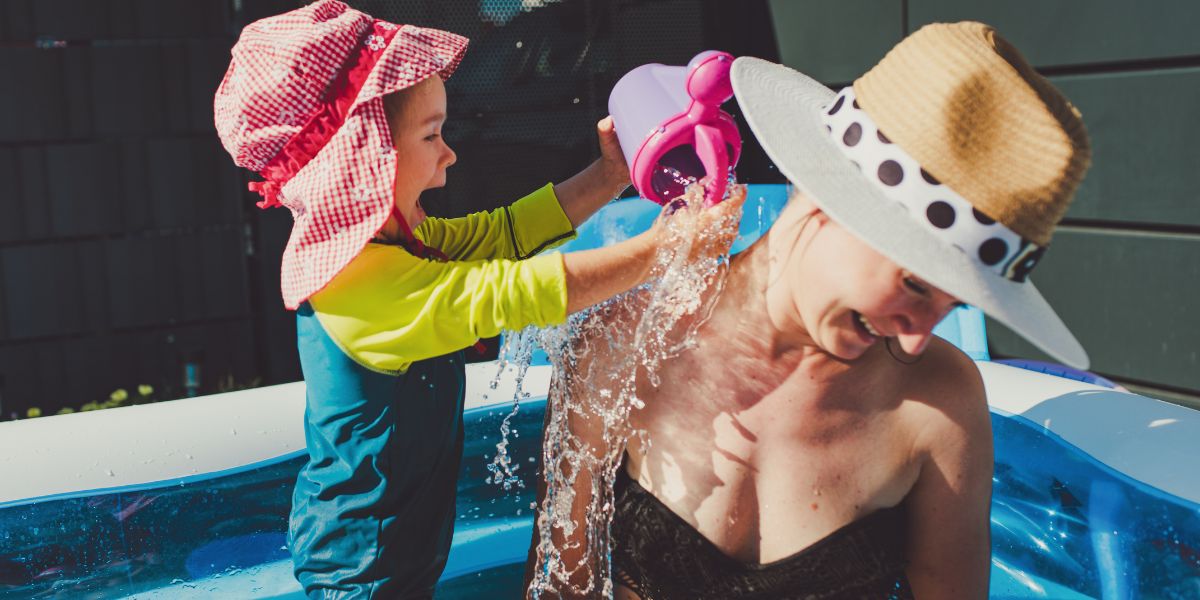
(710, 231)
(610, 153)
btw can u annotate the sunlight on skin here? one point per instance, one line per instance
(673, 486)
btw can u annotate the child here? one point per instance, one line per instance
(342, 114)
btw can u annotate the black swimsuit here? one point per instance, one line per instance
(660, 556)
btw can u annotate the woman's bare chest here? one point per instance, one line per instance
(765, 465)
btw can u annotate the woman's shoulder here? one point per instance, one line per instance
(947, 390)
(943, 369)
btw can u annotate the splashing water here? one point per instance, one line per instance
(517, 353)
(597, 356)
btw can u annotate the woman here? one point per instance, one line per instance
(818, 441)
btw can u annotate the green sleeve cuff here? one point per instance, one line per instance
(538, 222)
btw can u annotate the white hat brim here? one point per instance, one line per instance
(783, 108)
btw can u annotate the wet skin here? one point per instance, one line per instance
(789, 419)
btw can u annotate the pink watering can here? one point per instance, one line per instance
(672, 129)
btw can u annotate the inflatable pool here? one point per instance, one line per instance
(1094, 495)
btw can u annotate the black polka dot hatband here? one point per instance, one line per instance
(945, 213)
(867, 180)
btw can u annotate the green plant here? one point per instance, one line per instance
(143, 394)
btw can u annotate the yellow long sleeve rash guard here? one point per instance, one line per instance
(388, 309)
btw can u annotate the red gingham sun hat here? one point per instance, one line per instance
(302, 105)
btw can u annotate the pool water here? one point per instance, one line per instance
(1063, 526)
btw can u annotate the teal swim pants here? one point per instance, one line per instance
(373, 510)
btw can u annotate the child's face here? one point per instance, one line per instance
(422, 155)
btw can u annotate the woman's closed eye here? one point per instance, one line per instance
(915, 287)
(923, 290)
(432, 136)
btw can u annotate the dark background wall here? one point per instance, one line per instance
(123, 234)
(129, 247)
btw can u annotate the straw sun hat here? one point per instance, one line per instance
(302, 105)
(951, 157)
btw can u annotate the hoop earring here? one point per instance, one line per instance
(887, 343)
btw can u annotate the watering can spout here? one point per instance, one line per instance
(710, 147)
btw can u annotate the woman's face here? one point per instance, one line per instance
(416, 117)
(848, 296)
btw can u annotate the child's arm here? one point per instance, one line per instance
(538, 221)
(388, 308)
(588, 190)
(518, 231)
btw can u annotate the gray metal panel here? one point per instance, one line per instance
(17, 384)
(175, 185)
(135, 197)
(175, 88)
(32, 98)
(96, 367)
(1144, 131)
(44, 290)
(835, 42)
(231, 348)
(1064, 32)
(141, 275)
(71, 19)
(35, 197)
(121, 19)
(84, 187)
(1129, 297)
(191, 182)
(219, 349)
(90, 256)
(206, 64)
(16, 21)
(212, 275)
(11, 207)
(128, 91)
(180, 18)
(33, 375)
(77, 83)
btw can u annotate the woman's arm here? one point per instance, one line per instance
(591, 370)
(949, 545)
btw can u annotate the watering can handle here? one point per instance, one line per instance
(710, 147)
